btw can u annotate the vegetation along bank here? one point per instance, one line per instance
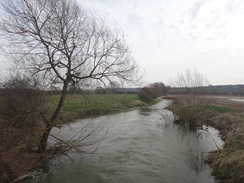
(19, 136)
(225, 114)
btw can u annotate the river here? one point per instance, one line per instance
(140, 145)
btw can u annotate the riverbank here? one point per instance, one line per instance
(140, 146)
(79, 106)
(225, 113)
(18, 143)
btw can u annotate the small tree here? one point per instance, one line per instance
(188, 105)
(66, 45)
(148, 94)
(158, 89)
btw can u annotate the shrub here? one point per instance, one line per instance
(145, 95)
(188, 109)
(23, 100)
(22, 108)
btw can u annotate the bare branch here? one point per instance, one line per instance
(65, 43)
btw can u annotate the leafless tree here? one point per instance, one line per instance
(190, 79)
(158, 89)
(66, 44)
(192, 84)
(152, 91)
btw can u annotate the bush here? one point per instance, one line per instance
(148, 94)
(22, 108)
(145, 95)
(188, 109)
(23, 100)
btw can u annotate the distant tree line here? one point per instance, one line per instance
(211, 90)
(100, 90)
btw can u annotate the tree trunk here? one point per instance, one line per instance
(43, 141)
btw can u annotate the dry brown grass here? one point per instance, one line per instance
(225, 101)
(228, 163)
(16, 158)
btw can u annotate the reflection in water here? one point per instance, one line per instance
(140, 146)
(145, 111)
(238, 100)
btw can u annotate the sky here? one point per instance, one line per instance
(167, 37)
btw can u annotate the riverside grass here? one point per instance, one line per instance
(16, 159)
(217, 109)
(228, 118)
(89, 105)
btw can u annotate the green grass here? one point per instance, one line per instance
(217, 109)
(93, 104)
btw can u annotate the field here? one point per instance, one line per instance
(233, 102)
(89, 105)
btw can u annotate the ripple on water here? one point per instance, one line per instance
(138, 149)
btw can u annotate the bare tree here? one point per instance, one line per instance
(191, 84)
(66, 44)
(190, 79)
(152, 91)
(158, 89)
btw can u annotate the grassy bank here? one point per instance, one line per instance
(90, 105)
(228, 163)
(18, 142)
(228, 117)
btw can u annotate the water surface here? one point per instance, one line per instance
(140, 145)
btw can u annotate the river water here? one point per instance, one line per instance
(140, 145)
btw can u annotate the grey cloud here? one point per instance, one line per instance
(193, 11)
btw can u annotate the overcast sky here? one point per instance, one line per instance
(170, 36)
